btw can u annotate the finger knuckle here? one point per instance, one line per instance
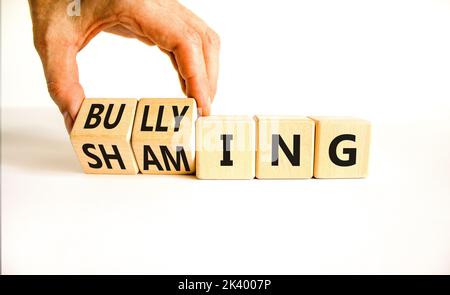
(56, 89)
(193, 38)
(63, 91)
(50, 40)
(43, 41)
(212, 38)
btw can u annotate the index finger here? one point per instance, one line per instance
(192, 68)
(174, 35)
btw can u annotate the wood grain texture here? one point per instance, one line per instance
(101, 136)
(275, 134)
(163, 136)
(225, 147)
(341, 147)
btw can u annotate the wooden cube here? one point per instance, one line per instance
(163, 137)
(341, 147)
(225, 147)
(284, 147)
(101, 136)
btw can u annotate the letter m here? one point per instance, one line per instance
(169, 159)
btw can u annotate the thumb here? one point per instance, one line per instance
(61, 73)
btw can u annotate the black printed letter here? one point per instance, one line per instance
(294, 157)
(350, 152)
(226, 138)
(108, 115)
(178, 118)
(153, 159)
(144, 126)
(98, 161)
(168, 156)
(114, 156)
(159, 120)
(94, 115)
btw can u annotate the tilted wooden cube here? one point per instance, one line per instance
(101, 136)
(284, 147)
(341, 147)
(225, 147)
(163, 137)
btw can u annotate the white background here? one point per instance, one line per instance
(387, 61)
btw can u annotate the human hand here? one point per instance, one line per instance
(192, 46)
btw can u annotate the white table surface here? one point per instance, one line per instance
(57, 220)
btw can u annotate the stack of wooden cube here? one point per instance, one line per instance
(164, 136)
